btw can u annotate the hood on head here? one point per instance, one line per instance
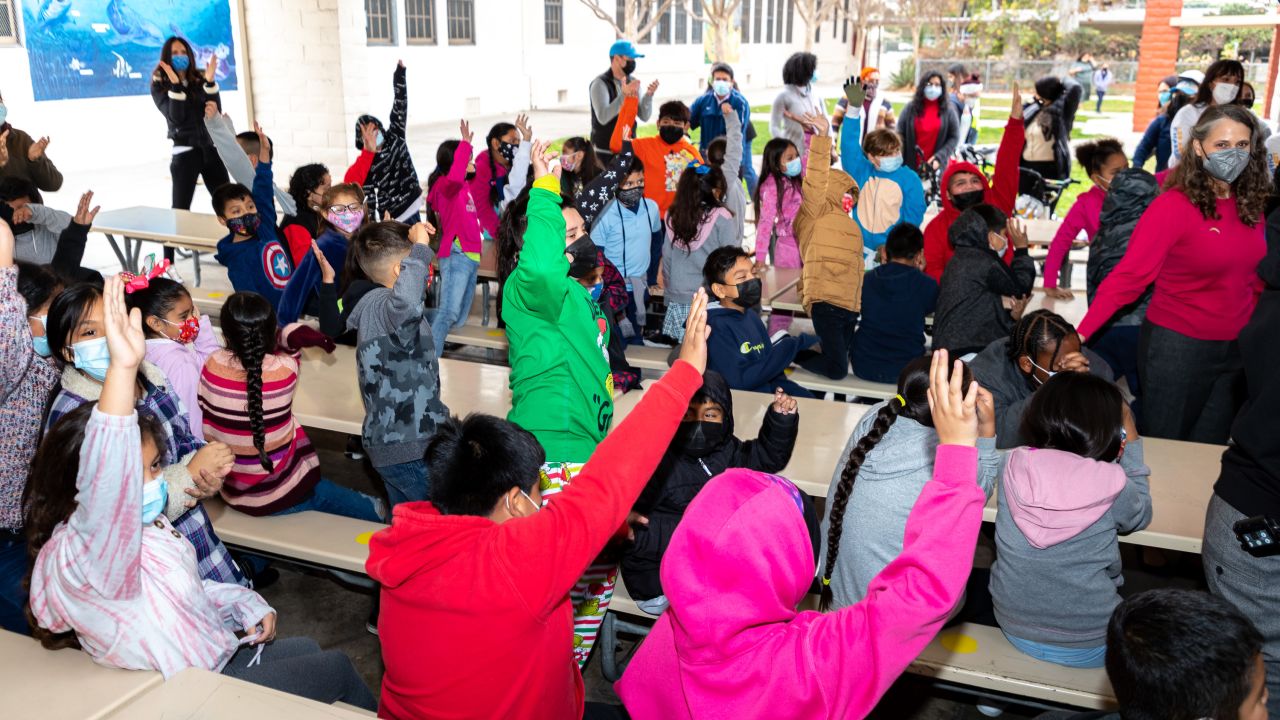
(1054, 495)
(365, 120)
(716, 389)
(953, 168)
(1132, 190)
(968, 230)
(838, 183)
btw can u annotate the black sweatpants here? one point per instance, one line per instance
(299, 667)
(185, 168)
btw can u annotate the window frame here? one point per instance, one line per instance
(428, 17)
(9, 8)
(547, 7)
(469, 20)
(390, 18)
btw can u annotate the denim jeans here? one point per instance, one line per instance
(748, 173)
(329, 497)
(1094, 657)
(406, 482)
(13, 597)
(457, 290)
(834, 326)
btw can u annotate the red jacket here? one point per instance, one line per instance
(1003, 194)
(476, 620)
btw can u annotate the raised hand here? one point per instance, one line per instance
(819, 123)
(1015, 111)
(127, 346)
(1018, 234)
(954, 411)
(369, 136)
(85, 214)
(419, 233)
(37, 149)
(540, 157)
(327, 275)
(210, 110)
(726, 109)
(168, 71)
(653, 88)
(464, 130)
(522, 124)
(855, 92)
(783, 403)
(696, 331)
(211, 70)
(264, 144)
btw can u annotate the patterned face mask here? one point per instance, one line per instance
(188, 330)
(246, 224)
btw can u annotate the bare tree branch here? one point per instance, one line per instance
(594, 7)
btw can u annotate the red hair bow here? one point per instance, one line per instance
(134, 283)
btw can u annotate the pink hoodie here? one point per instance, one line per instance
(732, 644)
(451, 198)
(1049, 511)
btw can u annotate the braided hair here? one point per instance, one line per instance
(912, 401)
(249, 327)
(1037, 331)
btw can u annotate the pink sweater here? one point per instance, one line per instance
(131, 591)
(480, 191)
(732, 644)
(451, 198)
(1083, 215)
(181, 365)
(1204, 271)
(769, 218)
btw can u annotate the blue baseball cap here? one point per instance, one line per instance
(624, 47)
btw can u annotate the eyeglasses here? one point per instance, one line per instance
(353, 207)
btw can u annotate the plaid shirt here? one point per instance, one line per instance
(213, 559)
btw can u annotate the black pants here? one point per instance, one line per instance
(184, 168)
(299, 667)
(1191, 389)
(834, 327)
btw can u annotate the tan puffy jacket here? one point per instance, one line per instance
(830, 241)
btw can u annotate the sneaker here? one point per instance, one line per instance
(355, 450)
(991, 710)
(654, 606)
(658, 340)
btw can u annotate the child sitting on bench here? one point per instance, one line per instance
(251, 252)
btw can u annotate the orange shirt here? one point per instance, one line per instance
(663, 163)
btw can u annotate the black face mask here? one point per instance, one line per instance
(670, 134)
(631, 197)
(699, 439)
(749, 292)
(584, 257)
(965, 200)
(629, 67)
(508, 151)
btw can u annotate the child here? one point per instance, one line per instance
(627, 229)
(251, 385)
(397, 365)
(726, 153)
(896, 298)
(239, 153)
(251, 252)
(666, 156)
(1101, 160)
(486, 535)
(971, 311)
(888, 462)
(1041, 345)
(344, 213)
(36, 226)
(777, 203)
(732, 644)
(307, 187)
(1063, 500)
(579, 165)
(704, 446)
(112, 576)
(890, 193)
(450, 197)
(741, 349)
(697, 225)
(179, 339)
(831, 246)
(492, 168)
(1181, 655)
(385, 166)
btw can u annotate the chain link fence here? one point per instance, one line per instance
(999, 75)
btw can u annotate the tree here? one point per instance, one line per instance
(941, 16)
(719, 14)
(814, 13)
(862, 13)
(638, 16)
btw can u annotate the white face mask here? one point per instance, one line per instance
(1224, 93)
(536, 506)
(1046, 371)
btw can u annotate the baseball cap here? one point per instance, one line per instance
(624, 47)
(1194, 76)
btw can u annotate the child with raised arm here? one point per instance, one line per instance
(385, 167)
(451, 199)
(239, 153)
(251, 252)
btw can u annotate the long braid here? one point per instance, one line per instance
(251, 359)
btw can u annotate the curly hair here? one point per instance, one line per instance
(249, 326)
(1251, 190)
(694, 202)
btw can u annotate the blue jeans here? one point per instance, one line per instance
(329, 497)
(1094, 657)
(457, 290)
(406, 482)
(748, 173)
(13, 597)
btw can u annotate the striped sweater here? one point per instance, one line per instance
(224, 400)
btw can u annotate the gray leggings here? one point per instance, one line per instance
(299, 667)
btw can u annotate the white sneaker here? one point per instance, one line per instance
(991, 710)
(655, 606)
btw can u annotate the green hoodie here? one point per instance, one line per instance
(561, 385)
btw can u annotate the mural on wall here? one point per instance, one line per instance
(108, 48)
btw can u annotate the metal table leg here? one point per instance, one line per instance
(484, 294)
(115, 247)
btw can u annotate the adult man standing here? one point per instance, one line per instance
(707, 114)
(606, 96)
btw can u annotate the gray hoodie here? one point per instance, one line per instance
(887, 486)
(38, 244)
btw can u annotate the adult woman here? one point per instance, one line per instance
(1199, 243)
(180, 92)
(24, 158)
(1157, 140)
(1221, 86)
(797, 101)
(1047, 150)
(929, 125)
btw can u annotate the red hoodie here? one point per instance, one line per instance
(476, 620)
(1003, 194)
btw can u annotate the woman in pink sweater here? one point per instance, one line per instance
(1101, 160)
(1199, 245)
(747, 537)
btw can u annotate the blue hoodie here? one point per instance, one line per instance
(306, 278)
(627, 236)
(884, 198)
(895, 300)
(259, 264)
(740, 349)
(705, 113)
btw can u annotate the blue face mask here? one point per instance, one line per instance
(379, 138)
(155, 495)
(721, 87)
(92, 357)
(890, 163)
(180, 63)
(41, 343)
(4, 113)
(813, 80)
(595, 291)
(792, 168)
(1164, 96)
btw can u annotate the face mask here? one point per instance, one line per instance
(670, 134)
(566, 164)
(92, 357)
(996, 242)
(1047, 372)
(631, 197)
(721, 87)
(792, 168)
(508, 151)
(595, 291)
(1227, 165)
(932, 92)
(749, 292)
(965, 200)
(871, 91)
(155, 495)
(1224, 93)
(1165, 96)
(188, 329)
(1246, 103)
(180, 63)
(890, 163)
(584, 257)
(536, 506)
(379, 138)
(813, 79)
(699, 439)
(4, 113)
(246, 224)
(629, 67)
(346, 221)
(41, 345)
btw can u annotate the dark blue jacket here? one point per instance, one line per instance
(895, 300)
(705, 113)
(1156, 139)
(739, 349)
(304, 284)
(259, 264)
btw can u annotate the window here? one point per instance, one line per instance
(420, 22)
(8, 28)
(697, 22)
(553, 21)
(755, 22)
(646, 10)
(746, 21)
(682, 22)
(768, 24)
(664, 28)
(835, 23)
(844, 32)
(462, 22)
(791, 17)
(622, 13)
(379, 22)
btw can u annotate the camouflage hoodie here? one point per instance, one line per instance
(397, 365)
